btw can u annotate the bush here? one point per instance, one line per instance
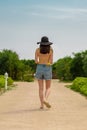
(83, 90)
(28, 78)
(80, 85)
(2, 81)
(10, 81)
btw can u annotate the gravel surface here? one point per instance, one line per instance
(20, 108)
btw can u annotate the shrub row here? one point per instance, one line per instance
(2, 81)
(80, 85)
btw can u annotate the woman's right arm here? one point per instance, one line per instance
(51, 57)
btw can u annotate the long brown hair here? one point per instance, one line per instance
(44, 49)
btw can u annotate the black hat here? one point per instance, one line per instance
(44, 41)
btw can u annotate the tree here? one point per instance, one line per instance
(63, 68)
(77, 65)
(54, 72)
(9, 62)
(16, 68)
(85, 63)
(30, 63)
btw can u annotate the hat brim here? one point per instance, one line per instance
(45, 43)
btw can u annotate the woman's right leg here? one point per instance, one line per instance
(41, 87)
(47, 92)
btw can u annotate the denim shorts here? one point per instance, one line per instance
(43, 72)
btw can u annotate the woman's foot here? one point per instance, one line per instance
(47, 104)
(41, 107)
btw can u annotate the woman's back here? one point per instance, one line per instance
(44, 58)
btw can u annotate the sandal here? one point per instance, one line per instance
(47, 104)
(41, 107)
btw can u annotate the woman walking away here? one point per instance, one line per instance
(44, 60)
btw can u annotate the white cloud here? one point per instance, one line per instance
(59, 13)
(51, 12)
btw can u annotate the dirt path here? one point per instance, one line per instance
(19, 109)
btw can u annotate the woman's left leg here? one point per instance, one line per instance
(41, 87)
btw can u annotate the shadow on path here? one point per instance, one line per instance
(25, 111)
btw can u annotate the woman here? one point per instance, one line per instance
(44, 60)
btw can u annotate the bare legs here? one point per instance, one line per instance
(47, 91)
(41, 91)
(41, 88)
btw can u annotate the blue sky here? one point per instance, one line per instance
(24, 22)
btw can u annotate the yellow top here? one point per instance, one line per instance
(44, 58)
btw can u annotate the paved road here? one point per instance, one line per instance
(19, 109)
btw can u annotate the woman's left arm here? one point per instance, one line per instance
(36, 57)
(51, 57)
